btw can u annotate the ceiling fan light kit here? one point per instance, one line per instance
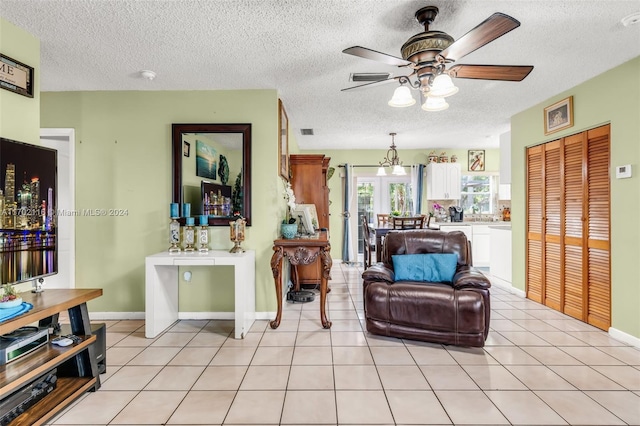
(442, 87)
(435, 103)
(427, 55)
(402, 98)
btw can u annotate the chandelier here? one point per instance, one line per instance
(391, 160)
(434, 85)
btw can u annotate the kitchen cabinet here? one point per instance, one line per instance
(481, 245)
(568, 213)
(458, 227)
(309, 184)
(443, 181)
(500, 256)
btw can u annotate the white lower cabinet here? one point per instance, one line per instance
(480, 239)
(500, 265)
(481, 245)
(464, 228)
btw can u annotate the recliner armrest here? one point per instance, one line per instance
(378, 272)
(470, 277)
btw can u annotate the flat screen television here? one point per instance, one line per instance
(28, 212)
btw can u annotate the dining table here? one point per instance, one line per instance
(381, 230)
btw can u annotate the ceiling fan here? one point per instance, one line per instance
(429, 55)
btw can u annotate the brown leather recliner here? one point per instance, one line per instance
(455, 313)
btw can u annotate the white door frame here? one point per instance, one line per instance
(68, 136)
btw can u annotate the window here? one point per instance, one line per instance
(479, 194)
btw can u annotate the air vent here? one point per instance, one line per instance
(369, 76)
(306, 132)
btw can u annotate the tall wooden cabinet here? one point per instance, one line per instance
(309, 183)
(568, 221)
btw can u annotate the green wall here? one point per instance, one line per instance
(123, 161)
(20, 115)
(612, 97)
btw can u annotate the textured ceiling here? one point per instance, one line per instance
(294, 46)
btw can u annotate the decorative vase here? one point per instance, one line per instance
(236, 234)
(289, 230)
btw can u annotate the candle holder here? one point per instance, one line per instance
(174, 236)
(174, 228)
(203, 234)
(236, 234)
(189, 236)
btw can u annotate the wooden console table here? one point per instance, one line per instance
(302, 251)
(20, 372)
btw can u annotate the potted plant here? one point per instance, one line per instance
(10, 297)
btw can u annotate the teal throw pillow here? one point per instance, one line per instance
(431, 267)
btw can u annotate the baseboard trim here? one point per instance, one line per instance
(116, 316)
(624, 337)
(119, 316)
(505, 285)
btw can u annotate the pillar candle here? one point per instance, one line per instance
(175, 211)
(190, 221)
(204, 220)
(186, 209)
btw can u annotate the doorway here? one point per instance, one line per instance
(63, 140)
(381, 194)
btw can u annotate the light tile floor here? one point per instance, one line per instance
(539, 367)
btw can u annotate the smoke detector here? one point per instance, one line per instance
(147, 74)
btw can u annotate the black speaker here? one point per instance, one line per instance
(100, 346)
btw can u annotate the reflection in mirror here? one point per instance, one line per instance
(212, 170)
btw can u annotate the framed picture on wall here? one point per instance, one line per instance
(476, 160)
(558, 116)
(283, 142)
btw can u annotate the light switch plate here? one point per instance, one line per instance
(623, 172)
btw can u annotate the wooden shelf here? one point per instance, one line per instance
(67, 389)
(22, 371)
(48, 303)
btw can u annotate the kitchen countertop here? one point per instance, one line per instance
(505, 226)
(491, 223)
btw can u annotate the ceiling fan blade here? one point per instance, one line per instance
(491, 72)
(363, 52)
(386, 80)
(490, 29)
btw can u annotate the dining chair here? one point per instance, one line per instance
(383, 219)
(369, 243)
(400, 222)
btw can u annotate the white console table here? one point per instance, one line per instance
(161, 287)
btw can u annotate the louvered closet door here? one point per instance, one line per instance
(552, 257)
(598, 222)
(534, 224)
(575, 279)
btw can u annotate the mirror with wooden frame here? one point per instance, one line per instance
(212, 170)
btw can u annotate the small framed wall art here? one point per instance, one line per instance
(558, 116)
(476, 160)
(16, 76)
(283, 143)
(186, 149)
